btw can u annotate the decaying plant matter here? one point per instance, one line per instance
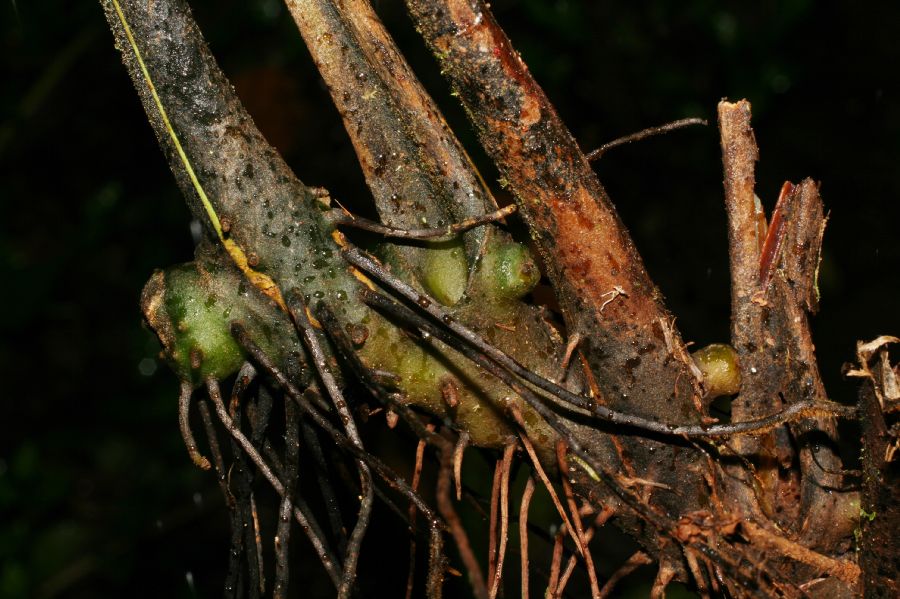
(611, 416)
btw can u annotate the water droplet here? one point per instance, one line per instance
(286, 241)
(147, 367)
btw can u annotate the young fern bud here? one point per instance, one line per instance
(509, 271)
(446, 272)
(721, 372)
(191, 307)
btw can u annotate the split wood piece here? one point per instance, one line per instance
(879, 523)
(774, 266)
(761, 377)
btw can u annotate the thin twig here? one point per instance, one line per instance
(259, 417)
(643, 134)
(373, 380)
(448, 233)
(664, 576)
(257, 579)
(242, 381)
(843, 570)
(570, 567)
(245, 521)
(529, 449)
(638, 559)
(392, 478)
(555, 564)
(699, 578)
(245, 518)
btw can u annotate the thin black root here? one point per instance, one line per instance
(370, 378)
(291, 471)
(323, 478)
(310, 338)
(304, 517)
(436, 559)
(476, 345)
